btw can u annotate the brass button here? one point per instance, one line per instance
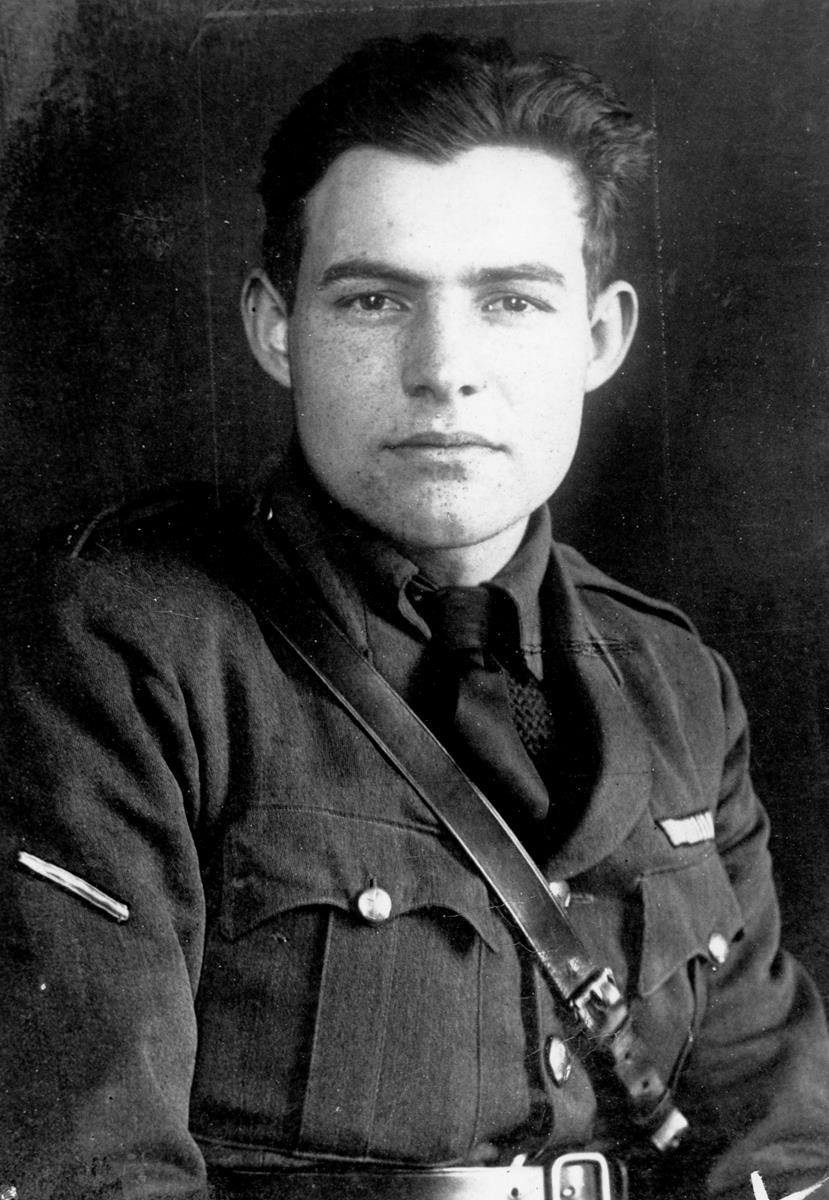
(718, 948)
(559, 1060)
(560, 888)
(374, 905)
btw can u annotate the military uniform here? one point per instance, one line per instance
(253, 1004)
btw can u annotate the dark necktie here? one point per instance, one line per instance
(489, 708)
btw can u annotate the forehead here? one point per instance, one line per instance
(491, 206)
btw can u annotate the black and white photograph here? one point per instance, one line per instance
(414, 600)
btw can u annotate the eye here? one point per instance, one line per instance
(371, 302)
(513, 304)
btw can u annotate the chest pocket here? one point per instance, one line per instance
(296, 859)
(691, 918)
(340, 951)
(663, 939)
(690, 912)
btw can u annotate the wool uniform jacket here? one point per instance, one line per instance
(239, 1011)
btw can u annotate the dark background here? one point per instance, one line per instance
(131, 137)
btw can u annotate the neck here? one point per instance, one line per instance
(467, 566)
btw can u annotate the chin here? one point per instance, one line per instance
(436, 517)
(445, 530)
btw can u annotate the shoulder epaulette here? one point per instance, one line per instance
(166, 509)
(589, 578)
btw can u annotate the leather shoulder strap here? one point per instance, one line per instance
(588, 993)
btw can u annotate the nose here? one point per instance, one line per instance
(442, 359)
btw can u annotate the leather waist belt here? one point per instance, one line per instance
(584, 1175)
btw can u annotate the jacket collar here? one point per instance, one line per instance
(346, 563)
(625, 777)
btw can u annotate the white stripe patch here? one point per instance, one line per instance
(687, 831)
(74, 884)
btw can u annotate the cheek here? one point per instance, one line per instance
(550, 424)
(334, 421)
(336, 378)
(549, 398)
(551, 359)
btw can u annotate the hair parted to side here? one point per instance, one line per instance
(435, 97)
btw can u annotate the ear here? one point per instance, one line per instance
(266, 320)
(612, 326)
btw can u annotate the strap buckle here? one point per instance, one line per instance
(600, 1005)
(587, 1175)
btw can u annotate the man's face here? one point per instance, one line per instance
(439, 345)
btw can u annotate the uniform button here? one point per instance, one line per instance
(718, 948)
(374, 905)
(561, 890)
(559, 1061)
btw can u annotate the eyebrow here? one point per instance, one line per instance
(534, 272)
(360, 268)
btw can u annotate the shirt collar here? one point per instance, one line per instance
(522, 576)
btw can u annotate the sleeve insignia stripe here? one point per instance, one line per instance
(74, 884)
(760, 1193)
(688, 831)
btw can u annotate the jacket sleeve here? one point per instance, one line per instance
(756, 1087)
(100, 779)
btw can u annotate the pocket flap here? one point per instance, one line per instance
(683, 910)
(287, 859)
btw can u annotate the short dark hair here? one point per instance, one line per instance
(435, 97)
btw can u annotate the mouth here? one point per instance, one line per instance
(436, 440)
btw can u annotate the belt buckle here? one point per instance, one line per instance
(587, 1175)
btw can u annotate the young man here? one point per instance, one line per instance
(243, 948)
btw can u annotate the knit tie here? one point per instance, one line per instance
(497, 723)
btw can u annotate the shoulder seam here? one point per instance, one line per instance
(586, 577)
(643, 603)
